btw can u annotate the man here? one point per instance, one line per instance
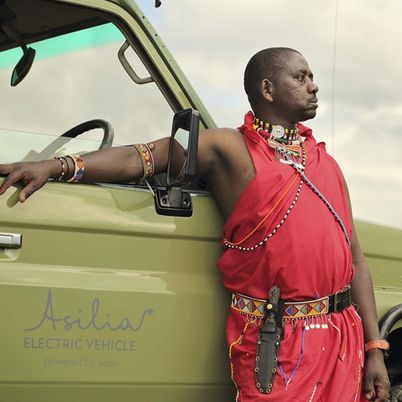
(288, 235)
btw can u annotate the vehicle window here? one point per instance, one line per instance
(75, 78)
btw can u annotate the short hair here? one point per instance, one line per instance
(265, 64)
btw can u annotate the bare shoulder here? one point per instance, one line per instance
(223, 148)
(224, 158)
(222, 140)
(220, 130)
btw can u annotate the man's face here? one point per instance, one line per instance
(294, 92)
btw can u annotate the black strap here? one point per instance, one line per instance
(339, 301)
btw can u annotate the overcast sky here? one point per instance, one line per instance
(354, 50)
(352, 46)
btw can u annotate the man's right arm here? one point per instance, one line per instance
(113, 164)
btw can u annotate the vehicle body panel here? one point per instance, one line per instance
(115, 296)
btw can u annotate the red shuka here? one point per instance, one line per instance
(308, 258)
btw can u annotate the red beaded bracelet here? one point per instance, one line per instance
(376, 344)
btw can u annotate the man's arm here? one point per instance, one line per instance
(113, 164)
(375, 380)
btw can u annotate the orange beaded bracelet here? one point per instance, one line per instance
(376, 344)
(147, 160)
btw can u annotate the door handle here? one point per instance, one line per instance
(10, 240)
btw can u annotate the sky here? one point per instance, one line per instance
(353, 48)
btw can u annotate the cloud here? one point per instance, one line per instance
(360, 111)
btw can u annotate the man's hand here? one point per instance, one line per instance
(32, 174)
(375, 378)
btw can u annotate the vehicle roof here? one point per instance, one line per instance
(30, 19)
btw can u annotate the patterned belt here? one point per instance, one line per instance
(309, 308)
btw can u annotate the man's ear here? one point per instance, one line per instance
(267, 90)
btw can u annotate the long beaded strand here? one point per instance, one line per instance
(229, 244)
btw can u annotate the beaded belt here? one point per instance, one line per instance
(309, 308)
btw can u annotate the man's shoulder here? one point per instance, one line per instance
(221, 131)
(222, 138)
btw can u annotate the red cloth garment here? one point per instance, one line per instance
(308, 258)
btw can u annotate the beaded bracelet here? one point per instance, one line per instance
(64, 171)
(79, 168)
(147, 159)
(376, 344)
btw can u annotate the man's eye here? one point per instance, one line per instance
(300, 78)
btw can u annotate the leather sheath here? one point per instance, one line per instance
(266, 361)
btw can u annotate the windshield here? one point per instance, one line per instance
(75, 78)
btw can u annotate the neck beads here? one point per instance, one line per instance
(286, 142)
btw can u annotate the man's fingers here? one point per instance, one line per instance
(33, 175)
(28, 190)
(376, 391)
(382, 389)
(11, 179)
(4, 170)
(368, 387)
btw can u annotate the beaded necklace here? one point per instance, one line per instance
(283, 157)
(287, 153)
(282, 140)
(279, 133)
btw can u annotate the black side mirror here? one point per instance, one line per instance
(23, 66)
(171, 200)
(25, 63)
(189, 121)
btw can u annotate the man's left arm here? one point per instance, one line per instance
(375, 380)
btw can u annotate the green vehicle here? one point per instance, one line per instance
(109, 292)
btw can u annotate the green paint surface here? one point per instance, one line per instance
(84, 39)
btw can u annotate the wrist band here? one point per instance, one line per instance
(147, 159)
(376, 344)
(79, 168)
(63, 167)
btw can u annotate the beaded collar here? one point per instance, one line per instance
(276, 132)
(283, 141)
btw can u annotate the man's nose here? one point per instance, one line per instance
(313, 87)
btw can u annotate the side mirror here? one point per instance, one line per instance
(189, 121)
(23, 66)
(25, 63)
(171, 200)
